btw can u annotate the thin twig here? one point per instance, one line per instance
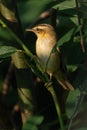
(51, 13)
(7, 80)
(58, 110)
(79, 22)
(53, 16)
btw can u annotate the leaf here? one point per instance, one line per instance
(66, 37)
(33, 122)
(6, 51)
(78, 29)
(72, 68)
(71, 102)
(37, 120)
(30, 127)
(66, 4)
(7, 12)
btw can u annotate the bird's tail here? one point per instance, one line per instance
(61, 78)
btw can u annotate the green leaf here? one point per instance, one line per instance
(37, 120)
(71, 102)
(6, 51)
(66, 4)
(33, 122)
(72, 68)
(66, 37)
(30, 127)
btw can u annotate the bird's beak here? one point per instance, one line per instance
(30, 30)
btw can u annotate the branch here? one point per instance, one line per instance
(8, 78)
(51, 13)
(79, 22)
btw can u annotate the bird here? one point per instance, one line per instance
(49, 60)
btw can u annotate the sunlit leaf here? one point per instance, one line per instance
(7, 13)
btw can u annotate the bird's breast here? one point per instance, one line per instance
(43, 48)
(43, 51)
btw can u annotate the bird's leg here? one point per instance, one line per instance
(49, 83)
(58, 49)
(51, 75)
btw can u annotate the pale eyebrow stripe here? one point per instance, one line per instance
(41, 26)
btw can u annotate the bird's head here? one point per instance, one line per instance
(42, 29)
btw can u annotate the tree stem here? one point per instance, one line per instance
(59, 114)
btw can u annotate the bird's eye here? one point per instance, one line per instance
(38, 30)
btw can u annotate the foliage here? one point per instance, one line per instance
(6, 51)
(33, 123)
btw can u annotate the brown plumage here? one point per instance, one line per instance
(46, 39)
